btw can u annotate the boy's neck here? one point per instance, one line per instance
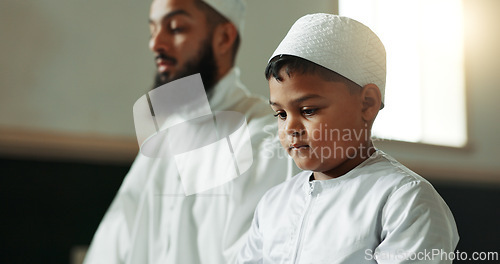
(363, 154)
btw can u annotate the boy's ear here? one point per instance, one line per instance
(223, 38)
(372, 100)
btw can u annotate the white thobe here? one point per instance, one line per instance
(151, 220)
(379, 212)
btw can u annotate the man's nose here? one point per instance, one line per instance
(159, 41)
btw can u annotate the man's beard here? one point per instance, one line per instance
(205, 65)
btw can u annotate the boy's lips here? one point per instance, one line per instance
(298, 146)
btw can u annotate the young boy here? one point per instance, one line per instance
(352, 203)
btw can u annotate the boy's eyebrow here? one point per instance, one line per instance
(273, 103)
(172, 14)
(299, 100)
(307, 97)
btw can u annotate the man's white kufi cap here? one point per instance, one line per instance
(233, 10)
(340, 44)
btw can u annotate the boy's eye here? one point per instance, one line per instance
(281, 115)
(309, 112)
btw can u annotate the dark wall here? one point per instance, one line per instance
(49, 207)
(476, 209)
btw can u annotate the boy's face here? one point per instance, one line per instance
(320, 123)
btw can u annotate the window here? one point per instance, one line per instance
(425, 93)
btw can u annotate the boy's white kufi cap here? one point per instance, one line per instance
(340, 44)
(233, 10)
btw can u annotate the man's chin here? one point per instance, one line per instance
(162, 78)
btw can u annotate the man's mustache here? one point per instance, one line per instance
(164, 57)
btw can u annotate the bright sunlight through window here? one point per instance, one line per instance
(425, 94)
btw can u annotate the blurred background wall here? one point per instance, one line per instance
(70, 72)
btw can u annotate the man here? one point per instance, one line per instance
(151, 220)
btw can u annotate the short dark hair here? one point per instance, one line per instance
(293, 64)
(214, 19)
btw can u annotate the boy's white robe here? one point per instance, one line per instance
(380, 212)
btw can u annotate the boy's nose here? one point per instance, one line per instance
(296, 133)
(294, 127)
